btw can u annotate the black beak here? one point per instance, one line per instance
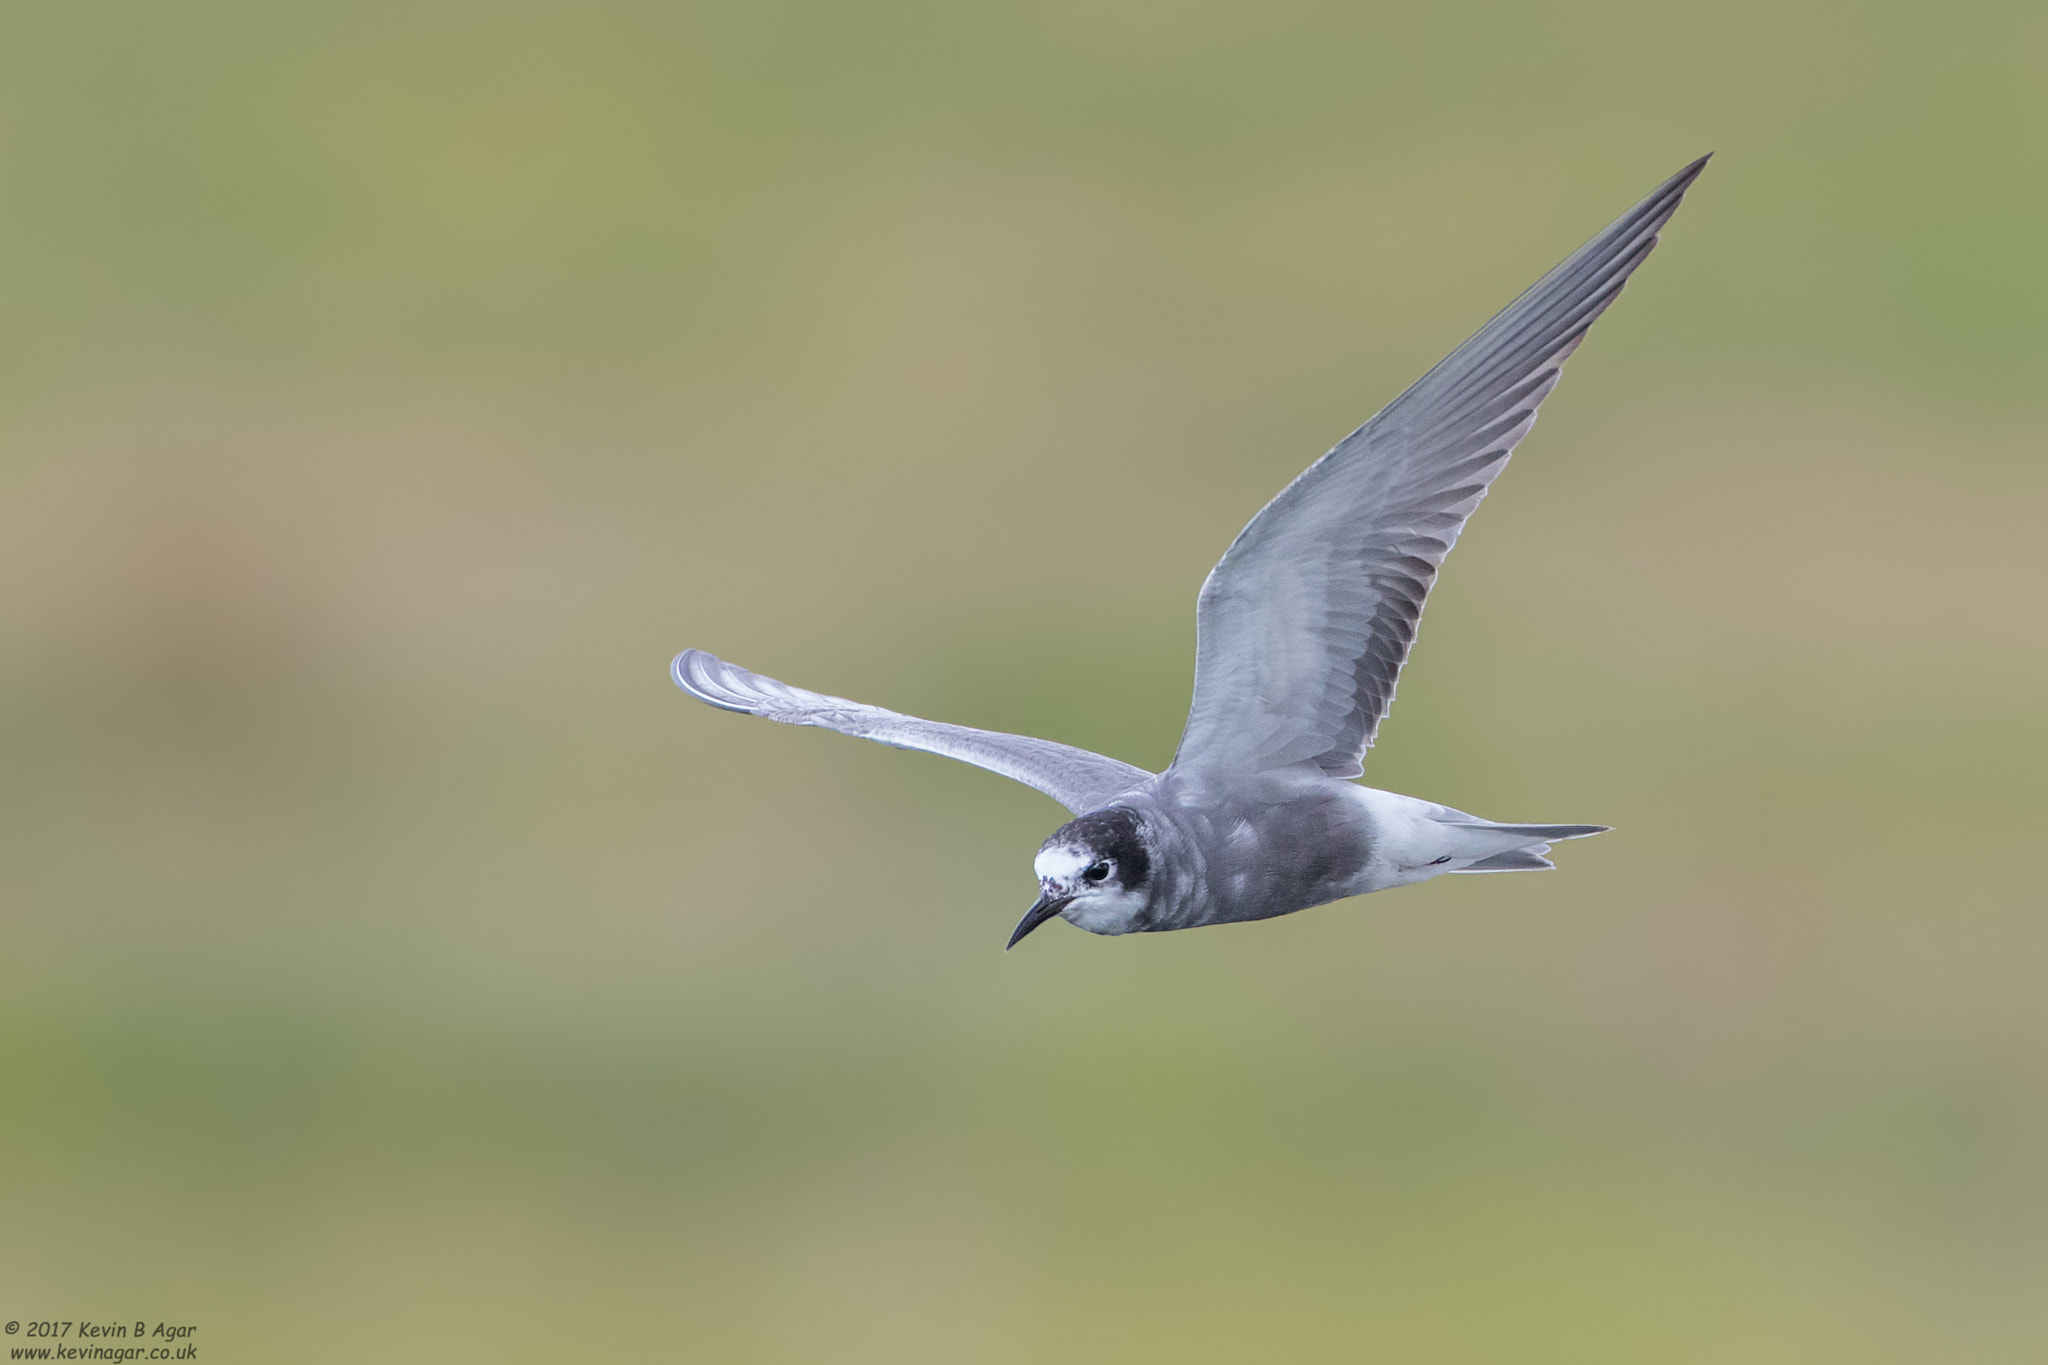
(1042, 909)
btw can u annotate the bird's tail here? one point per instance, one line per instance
(1512, 848)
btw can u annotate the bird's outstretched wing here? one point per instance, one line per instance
(1077, 779)
(1303, 626)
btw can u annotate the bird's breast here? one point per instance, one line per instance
(1266, 853)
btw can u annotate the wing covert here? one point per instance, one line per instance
(1077, 779)
(1303, 626)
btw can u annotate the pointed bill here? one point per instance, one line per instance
(1042, 909)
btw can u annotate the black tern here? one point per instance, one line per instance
(1301, 631)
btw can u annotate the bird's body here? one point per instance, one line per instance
(1302, 629)
(1188, 851)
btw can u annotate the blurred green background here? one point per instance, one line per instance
(393, 964)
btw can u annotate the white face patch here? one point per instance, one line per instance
(1061, 866)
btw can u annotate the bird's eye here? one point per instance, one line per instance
(1098, 873)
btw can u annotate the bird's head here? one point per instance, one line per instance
(1095, 872)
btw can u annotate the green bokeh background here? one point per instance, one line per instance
(393, 965)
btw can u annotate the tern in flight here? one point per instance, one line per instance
(1301, 631)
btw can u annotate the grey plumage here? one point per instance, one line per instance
(1302, 629)
(1304, 624)
(1076, 778)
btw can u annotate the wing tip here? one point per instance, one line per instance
(1663, 201)
(1675, 187)
(1691, 171)
(709, 679)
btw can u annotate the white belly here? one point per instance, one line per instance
(1408, 839)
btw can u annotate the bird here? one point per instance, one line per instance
(1302, 629)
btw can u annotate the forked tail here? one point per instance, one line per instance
(1512, 848)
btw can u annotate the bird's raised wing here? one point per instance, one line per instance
(1303, 626)
(1077, 779)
